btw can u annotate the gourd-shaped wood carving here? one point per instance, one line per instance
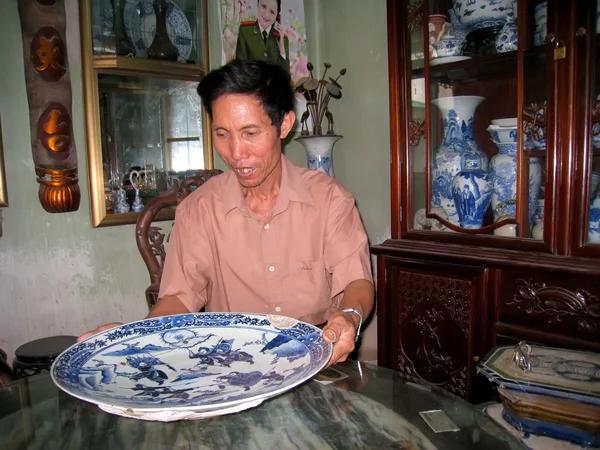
(49, 96)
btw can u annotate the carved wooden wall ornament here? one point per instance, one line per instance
(50, 108)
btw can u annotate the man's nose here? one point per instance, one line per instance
(238, 150)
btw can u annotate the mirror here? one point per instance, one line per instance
(145, 124)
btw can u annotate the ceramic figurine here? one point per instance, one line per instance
(121, 203)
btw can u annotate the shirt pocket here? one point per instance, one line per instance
(308, 288)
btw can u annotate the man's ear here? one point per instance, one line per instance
(288, 123)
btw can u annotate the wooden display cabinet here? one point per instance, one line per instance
(449, 291)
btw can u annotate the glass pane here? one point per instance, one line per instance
(593, 225)
(473, 132)
(152, 132)
(535, 126)
(153, 29)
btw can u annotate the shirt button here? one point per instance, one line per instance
(271, 269)
(267, 226)
(277, 309)
(266, 54)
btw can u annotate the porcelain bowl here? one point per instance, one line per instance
(448, 46)
(503, 135)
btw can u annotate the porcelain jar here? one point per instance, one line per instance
(477, 14)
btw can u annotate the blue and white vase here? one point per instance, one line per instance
(121, 205)
(503, 175)
(594, 221)
(472, 192)
(457, 114)
(535, 182)
(508, 38)
(137, 205)
(319, 151)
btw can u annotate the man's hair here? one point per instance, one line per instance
(268, 83)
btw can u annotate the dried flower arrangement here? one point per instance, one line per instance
(317, 94)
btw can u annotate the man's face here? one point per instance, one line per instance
(246, 138)
(267, 12)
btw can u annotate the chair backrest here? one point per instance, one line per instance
(150, 239)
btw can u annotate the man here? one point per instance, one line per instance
(264, 39)
(267, 236)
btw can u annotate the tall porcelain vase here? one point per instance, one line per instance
(457, 114)
(319, 151)
(503, 174)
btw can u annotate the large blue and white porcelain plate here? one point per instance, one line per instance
(199, 363)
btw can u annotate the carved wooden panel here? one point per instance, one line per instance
(431, 320)
(546, 301)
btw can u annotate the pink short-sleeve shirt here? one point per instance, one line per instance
(295, 263)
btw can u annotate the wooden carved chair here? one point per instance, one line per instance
(150, 239)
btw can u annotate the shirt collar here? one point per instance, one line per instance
(268, 30)
(292, 189)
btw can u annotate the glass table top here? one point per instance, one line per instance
(372, 407)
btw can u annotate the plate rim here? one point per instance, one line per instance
(199, 408)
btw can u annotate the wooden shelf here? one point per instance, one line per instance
(481, 67)
(122, 65)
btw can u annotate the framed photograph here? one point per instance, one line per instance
(265, 30)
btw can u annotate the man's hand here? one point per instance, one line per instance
(101, 328)
(340, 331)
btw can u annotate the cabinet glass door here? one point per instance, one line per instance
(592, 155)
(478, 129)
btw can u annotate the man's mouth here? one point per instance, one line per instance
(245, 171)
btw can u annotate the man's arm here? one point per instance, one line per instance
(167, 306)
(341, 328)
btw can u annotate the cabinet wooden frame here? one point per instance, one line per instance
(120, 65)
